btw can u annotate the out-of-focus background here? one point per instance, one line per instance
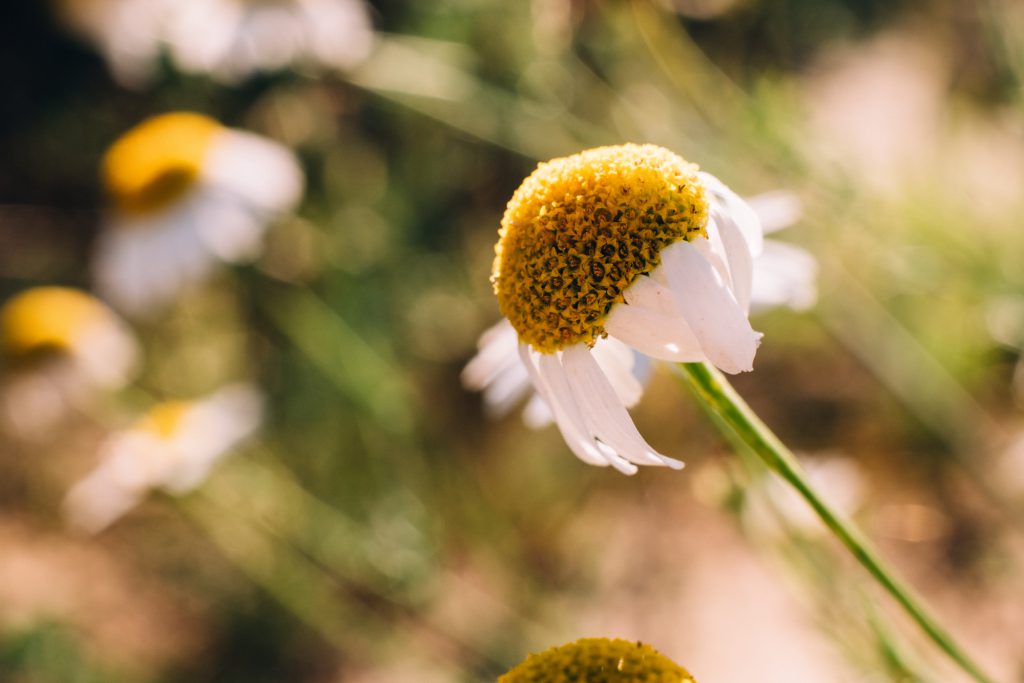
(379, 526)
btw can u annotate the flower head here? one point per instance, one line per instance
(598, 660)
(580, 230)
(185, 192)
(172, 447)
(613, 251)
(60, 345)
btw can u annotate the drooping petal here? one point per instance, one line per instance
(710, 309)
(603, 413)
(550, 381)
(617, 361)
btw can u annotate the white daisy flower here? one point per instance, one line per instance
(232, 39)
(228, 39)
(609, 252)
(186, 193)
(61, 347)
(784, 275)
(173, 447)
(128, 33)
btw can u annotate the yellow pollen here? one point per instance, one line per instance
(46, 318)
(163, 419)
(156, 162)
(581, 229)
(598, 660)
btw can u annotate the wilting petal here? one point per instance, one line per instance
(603, 413)
(617, 361)
(550, 381)
(710, 309)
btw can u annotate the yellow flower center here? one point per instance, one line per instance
(163, 419)
(46, 318)
(156, 162)
(598, 660)
(581, 229)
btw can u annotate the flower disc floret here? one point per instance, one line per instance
(155, 163)
(581, 229)
(598, 660)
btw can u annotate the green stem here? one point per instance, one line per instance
(714, 390)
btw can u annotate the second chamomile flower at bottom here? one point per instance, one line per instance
(618, 249)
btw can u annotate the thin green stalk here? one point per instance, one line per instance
(712, 388)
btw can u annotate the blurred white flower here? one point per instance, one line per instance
(186, 193)
(783, 275)
(61, 347)
(173, 447)
(128, 33)
(230, 40)
(227, 39)
(607, 252)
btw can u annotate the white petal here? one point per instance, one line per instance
(231, 230)
(498, 348)
(617, 361)
(497, 371)
(537, 413)
(744, 216)
(259, 172)
(740, 260)
(710, 309)
(655, 334)
(777, 209)
(651, 322)
(97, 501)
(142, 263)
(603, 413)
(784, 275)
(553, 386)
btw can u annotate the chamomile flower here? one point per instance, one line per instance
(614, 250)
(186, 193)
(172, 447)
(227, 39)
(61, 347)
(784, 275)
(232, 39)
(590, 660)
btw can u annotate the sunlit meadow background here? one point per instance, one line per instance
(381, 527)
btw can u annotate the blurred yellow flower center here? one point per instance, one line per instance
(581, 229)
(154, 164)
(47, 318)
(163, 419)
(598, 660)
